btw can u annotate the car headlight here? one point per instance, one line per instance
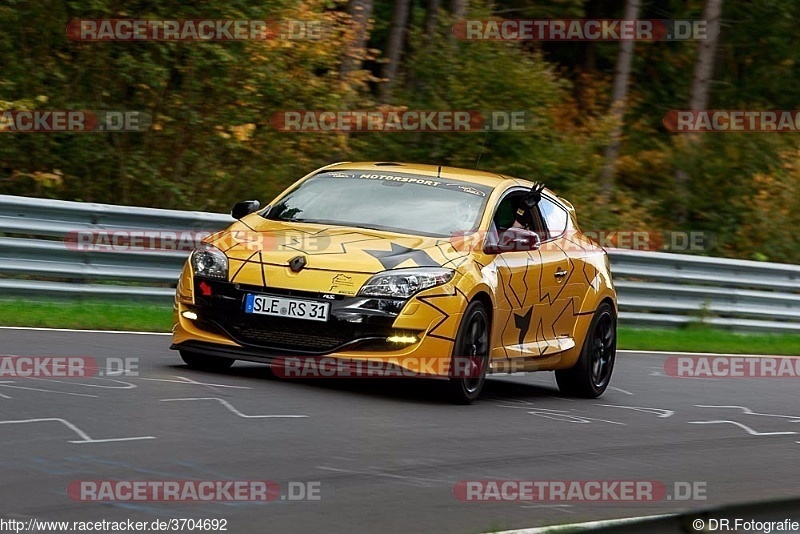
(403, 283)
(210, 261)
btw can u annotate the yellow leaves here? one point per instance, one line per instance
(644, 163)
(238, 132)
(44, 180)
(26, 104)
(791, 161)
(221, 132)
(593, 91)
(243, 132)
(776, 208)
(49, 179)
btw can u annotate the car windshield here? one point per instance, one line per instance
(399, 202)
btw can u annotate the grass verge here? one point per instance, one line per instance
(701, 339)
(87, 314)
(148, 317)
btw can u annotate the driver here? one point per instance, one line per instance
(511, 214)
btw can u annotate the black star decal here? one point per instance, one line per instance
(523, 322)
(392, 258)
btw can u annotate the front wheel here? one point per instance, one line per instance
(205, 363)
(470, 358)
(590, 375)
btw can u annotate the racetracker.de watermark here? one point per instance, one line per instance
(601, 491)
(75, 121)
(390, 367)
(580, 30)
(460, 121)
(644, 240)
(66, 367)
(193, 491)
(196, 30)
(141, 240)
(732, 367)
(736, 120)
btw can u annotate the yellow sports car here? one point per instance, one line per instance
(433, 271)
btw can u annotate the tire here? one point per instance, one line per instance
(470, 355)
(205, 363)
(591, 374)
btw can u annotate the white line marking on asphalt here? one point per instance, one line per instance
(110, 440)
(679, 353)
(562, 415)
(85, 438)
(620, 390)
(48, 391)
(423, 480)
(655, 411)
(572, 418)
(560, 507)
(743, 427)
(234, 410)
(184, 380)
(748, 411)
(127, 332)
(4, 396)
(126, 385)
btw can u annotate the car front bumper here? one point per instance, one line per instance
(356, 331)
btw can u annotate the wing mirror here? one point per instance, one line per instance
(245, 207)
(513, 240)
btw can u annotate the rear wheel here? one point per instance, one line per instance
(470, 355)
(205, 363)
(590, 375)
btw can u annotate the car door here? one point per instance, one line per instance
(529, 290)
(558, 275)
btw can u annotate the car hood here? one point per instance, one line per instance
(337, 259)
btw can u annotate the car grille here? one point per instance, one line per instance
(290, 334)
(222, 313)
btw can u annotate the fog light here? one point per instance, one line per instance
(192, 316)
(402, 339)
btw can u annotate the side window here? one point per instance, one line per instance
(504, 215)
(555, 217)
(511, 212)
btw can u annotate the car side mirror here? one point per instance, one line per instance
(514, 240)
(245, 207)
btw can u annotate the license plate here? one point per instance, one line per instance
(286, 307)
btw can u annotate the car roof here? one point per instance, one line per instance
(485, 178)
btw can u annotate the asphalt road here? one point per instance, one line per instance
(386, 454)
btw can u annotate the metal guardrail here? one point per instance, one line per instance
(662, 289)
(654, 289)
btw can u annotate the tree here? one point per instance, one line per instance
(459, 8)
(618, 95)
(360, 12)
(701, 85)
(394, 47)
(431, 18)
